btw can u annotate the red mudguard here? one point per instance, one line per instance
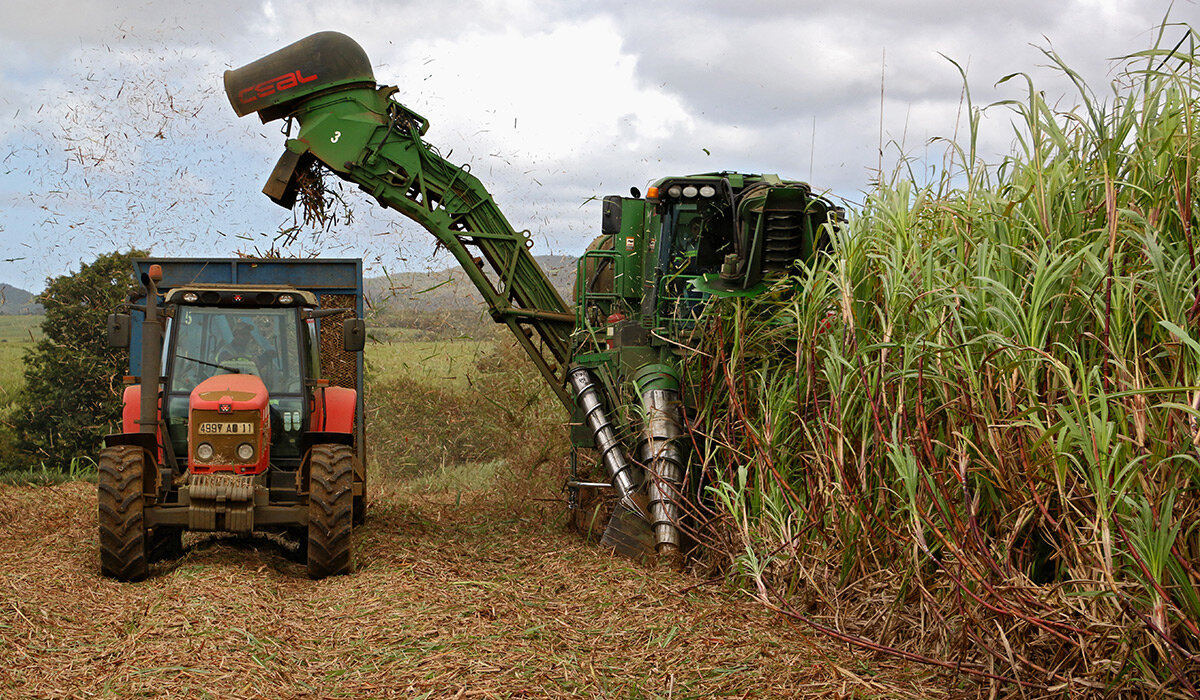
(131, 409)
(333, 410)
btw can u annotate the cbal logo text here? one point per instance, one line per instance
(280, 83)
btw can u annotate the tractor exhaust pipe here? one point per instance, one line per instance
(152, 339)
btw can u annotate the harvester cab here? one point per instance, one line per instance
(231, 426)
(640, 289)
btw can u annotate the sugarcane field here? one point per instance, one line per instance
(686, 351)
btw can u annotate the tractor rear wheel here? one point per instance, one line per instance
(330, 510)
(122, 525)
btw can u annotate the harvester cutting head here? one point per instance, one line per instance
(275, 85)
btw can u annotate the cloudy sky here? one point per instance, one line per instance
(115, 130)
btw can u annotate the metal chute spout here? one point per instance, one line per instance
(275, 84)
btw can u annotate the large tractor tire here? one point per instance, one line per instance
(330, 510)
(122, 526)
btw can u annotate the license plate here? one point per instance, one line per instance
(226, 428)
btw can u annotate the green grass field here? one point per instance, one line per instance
(442, 362)
(20, 329)
(17, 335)
(11, 370)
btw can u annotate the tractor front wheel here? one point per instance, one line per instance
(330, 510)
(122, 525)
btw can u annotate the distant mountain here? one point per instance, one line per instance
(15, 301)
(445, 301)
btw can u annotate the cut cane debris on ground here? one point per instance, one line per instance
(455, 596)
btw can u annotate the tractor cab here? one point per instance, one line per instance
(251, 353)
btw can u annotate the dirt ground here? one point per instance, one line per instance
(450, 600)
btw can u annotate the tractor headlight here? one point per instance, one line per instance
(690, 191)
(204, 451)
(245, 452)
(674, 191)
(707, 191)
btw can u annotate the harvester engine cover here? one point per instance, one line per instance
(229, 426)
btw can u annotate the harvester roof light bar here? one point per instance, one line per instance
(686, 190)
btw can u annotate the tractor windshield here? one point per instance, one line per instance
(262, 342)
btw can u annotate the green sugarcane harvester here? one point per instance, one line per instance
(612, 359)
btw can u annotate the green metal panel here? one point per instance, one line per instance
(630, 245)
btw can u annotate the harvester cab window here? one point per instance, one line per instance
(686, 226)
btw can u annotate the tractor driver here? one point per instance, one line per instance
(240, 353)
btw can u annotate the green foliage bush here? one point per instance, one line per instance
(72, 391)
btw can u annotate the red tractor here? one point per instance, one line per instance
(230, 426)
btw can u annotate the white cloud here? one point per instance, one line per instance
(550, 103)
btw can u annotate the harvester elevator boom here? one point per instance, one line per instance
(353, 127)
